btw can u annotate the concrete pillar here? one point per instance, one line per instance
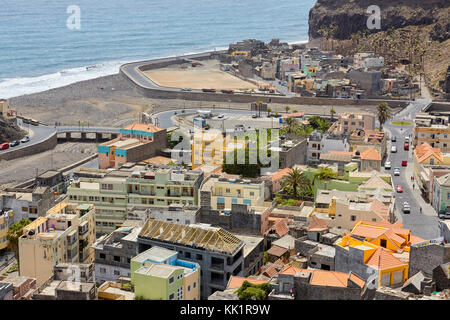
(68, 136)
(98, 136)
(83, 136)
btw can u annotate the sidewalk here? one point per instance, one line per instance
(427, 209)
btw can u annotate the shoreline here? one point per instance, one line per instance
(115, 64)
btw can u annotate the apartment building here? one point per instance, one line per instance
(113, 253)
(6, 220)
(223, 192)
(434, 129)
(314, 148)
(27, 203)
(219, 253)
(176, 213)
(135, 187)
(136, 142)
(363, 139)
(65, 234)
(348, 122)
(158, 274)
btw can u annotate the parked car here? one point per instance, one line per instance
(406, 207)
(407, 139)
(444, 215)
(387, 165)
(393, 149)
(220, 116)
(254, 116)
(26, 139)
(14, 143)
(393, 138)
(4, 146)
(396, 171)
(404, 163)
(399, 189)
(406, 146)
(186, 89)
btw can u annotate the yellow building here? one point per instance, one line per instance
(65, 234)
(5, 109)
(240, 53)
(6, 220)
(210, 147)
(383, 247)
(226, 191)
(433, 130)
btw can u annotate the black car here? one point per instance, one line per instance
(14, 143)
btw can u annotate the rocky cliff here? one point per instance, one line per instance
(9, 131)
(350, 16)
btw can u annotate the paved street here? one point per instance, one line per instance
(425, 224)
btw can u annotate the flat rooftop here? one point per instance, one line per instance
(156, 254)
(250, 242)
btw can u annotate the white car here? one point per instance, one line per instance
(393, 149)
(396, 171)
(387, 165)
(406, 207)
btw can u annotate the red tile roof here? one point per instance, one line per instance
(317, 224)
(270, 272)
(143, 127)
(370, 154)
(334, 279)
(276, 176)
(277, 251)
(383, 259)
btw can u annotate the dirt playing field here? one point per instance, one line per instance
(208, 75)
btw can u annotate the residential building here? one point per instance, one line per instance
(176, 213)
(349, 122)
(65, 234)
(70, 281)
(291, 151)
(360, 140)
(5, 110)
(429, 163)
(6, 291)
(314, 147)
(334, 142)
(223, 192)
(366, 60)
(6, 220)
(432, 128)
(368, 80)
(113, 252)
(426, 255)
(53, 179)
(135, 187)
(23, 287)
(378, 252)
(136, 142)
(158, 274)
(441, 194)
(27, 203)
(219, 253)
(253, 253)
(311, 284)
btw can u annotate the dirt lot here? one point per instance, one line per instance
(208, 75)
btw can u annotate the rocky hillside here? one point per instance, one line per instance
(9, 131)
(350, 16)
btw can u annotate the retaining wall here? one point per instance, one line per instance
(44, 145)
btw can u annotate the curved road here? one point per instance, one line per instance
(426, 224)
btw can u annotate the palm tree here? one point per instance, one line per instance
(298, 181)
(287, 108)
(259, 104)
(384, 113)
(14, 233)
(332, 112)
(269, 110)
(291, 125)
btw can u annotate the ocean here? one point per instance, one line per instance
(38, 51)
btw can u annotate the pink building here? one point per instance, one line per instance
(349, 122)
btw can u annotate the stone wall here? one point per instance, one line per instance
(427, 258)
(45, 145)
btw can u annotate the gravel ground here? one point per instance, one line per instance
(19, 170)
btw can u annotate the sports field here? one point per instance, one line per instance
(207, 76)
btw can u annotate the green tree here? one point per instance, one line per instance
(332, 113)
(325, 174)
(291, 125)
(384, 113)
(14, 233)
(269, 110)
(287, 108)
(250, 291)
(319, 123)
(297, 183)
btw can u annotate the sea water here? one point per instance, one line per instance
(39, 49)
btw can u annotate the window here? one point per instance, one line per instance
(252, 193)
(25, 209)
(117, 258)
(227, 190)
(171, 297)
(102, 256)
(198, 257)
(187, 254)
(352, 218)
(383, 243)
(102, 270)
(171, 280)
(116, 272)
(189, 288)
(128, 260)
(195, 285)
